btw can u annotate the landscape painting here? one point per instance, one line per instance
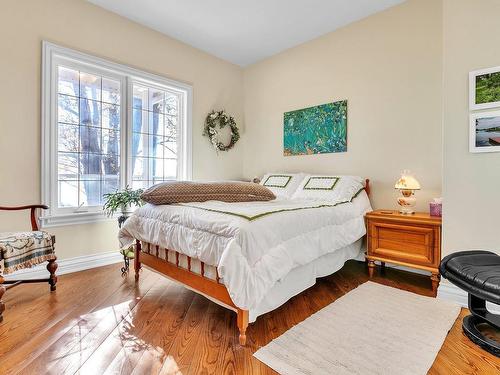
(485, 132)
(316, 130)
(485, 89)
(488, 88)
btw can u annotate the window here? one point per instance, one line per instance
(155, 117)
(106, 126)
(88, 137)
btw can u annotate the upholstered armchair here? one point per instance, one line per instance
(20, 250)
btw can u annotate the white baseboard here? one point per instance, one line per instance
(453, 293)
(408, 269)
(69, 265)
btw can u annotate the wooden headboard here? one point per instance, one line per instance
(367, 186)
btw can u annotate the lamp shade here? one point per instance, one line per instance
(407, 182)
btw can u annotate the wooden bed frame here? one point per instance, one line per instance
(197, 282)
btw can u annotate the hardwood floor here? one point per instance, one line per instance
(100, 323)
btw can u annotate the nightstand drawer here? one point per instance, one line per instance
(404, 243)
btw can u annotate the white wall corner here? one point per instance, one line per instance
(70, 265)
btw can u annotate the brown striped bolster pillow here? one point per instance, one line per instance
(188, 191)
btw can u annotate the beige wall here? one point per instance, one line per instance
(389, 68)
(471, 182)
(85, 27)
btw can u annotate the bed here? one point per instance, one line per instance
(249, 257)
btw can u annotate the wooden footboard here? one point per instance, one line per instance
(198, 282)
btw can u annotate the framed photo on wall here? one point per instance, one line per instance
(484, 88)
(484, 133)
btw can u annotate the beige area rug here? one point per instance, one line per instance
(373, 329)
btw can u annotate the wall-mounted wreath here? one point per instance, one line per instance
(220, 119)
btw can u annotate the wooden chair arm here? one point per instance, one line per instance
(32, 207)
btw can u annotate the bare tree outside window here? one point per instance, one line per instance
(89, 132)
(88, 137)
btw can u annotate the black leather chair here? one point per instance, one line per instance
(478, 273)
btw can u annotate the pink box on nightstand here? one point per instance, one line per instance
(436, 209)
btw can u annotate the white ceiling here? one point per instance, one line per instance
(245, 31)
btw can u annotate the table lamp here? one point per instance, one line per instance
(407, 184)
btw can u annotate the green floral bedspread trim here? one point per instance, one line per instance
(251, 218)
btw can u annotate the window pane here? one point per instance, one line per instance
(90, 193)
(156, 181)
(155, 146)
(68, 109)
(140, 97)
(154, 153)
(169, 149)
(110, 185)
(68, 81)
(140, 167)
(90, 86)
(110, 116)
(171, 127)
(137, 184)
(90, 112)
(171, 104)
(157, 168)
(67, 166)
(156, 123)
(170, 168)
(68, 138)
(110, 142)
(111, 165)
(90, 166)
(139, 144)
(110, 91)
(90, 139)
(140, 121)
(156, 100)
(68, 193)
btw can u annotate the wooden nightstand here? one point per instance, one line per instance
(409, 240)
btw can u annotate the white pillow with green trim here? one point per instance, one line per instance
(283, 185)
(329, 188)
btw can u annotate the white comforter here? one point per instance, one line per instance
(253, 253)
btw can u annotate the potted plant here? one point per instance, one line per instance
(122, 200)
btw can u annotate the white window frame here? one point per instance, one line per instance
(52, 56)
